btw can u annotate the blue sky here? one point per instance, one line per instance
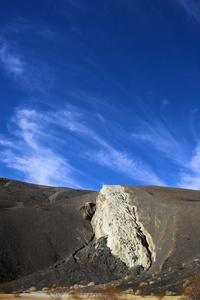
(100, 92)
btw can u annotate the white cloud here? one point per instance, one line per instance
(175, 147)
(27, 128)
(165, 102)
(27, 72)
(39, 137)
(190, 181)
(192, 7)
(43, 167)
(109, 156)
(195, 161)
(101, 118)
(7, 143)
(70, 119)
(120, 162)
(36, 158)
(11, 62)
(191, 178)
(162, 139)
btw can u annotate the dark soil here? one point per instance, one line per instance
(45, 238)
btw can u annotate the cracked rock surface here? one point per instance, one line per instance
(116, 218)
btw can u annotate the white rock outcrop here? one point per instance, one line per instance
(116, 218)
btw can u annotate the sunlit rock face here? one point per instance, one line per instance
(116, 218)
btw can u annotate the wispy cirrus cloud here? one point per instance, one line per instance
(153, 131)
(30, 74)
(192, 7)
(120, 161)
(191, 179)
(61, 137)
(108, 156)
(42, 167)
(174, 145)
(36, 157)
(35, 160)
(22, 26)
(13, 64)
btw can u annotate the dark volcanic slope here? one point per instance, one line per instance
(172, 193)
(45, 239)
(39, 225)
(172, 217)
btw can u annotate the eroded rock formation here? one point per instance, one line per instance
(116, 218)
(88, 210)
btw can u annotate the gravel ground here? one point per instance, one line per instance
(41, 295)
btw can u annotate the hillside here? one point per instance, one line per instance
(58, 235)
